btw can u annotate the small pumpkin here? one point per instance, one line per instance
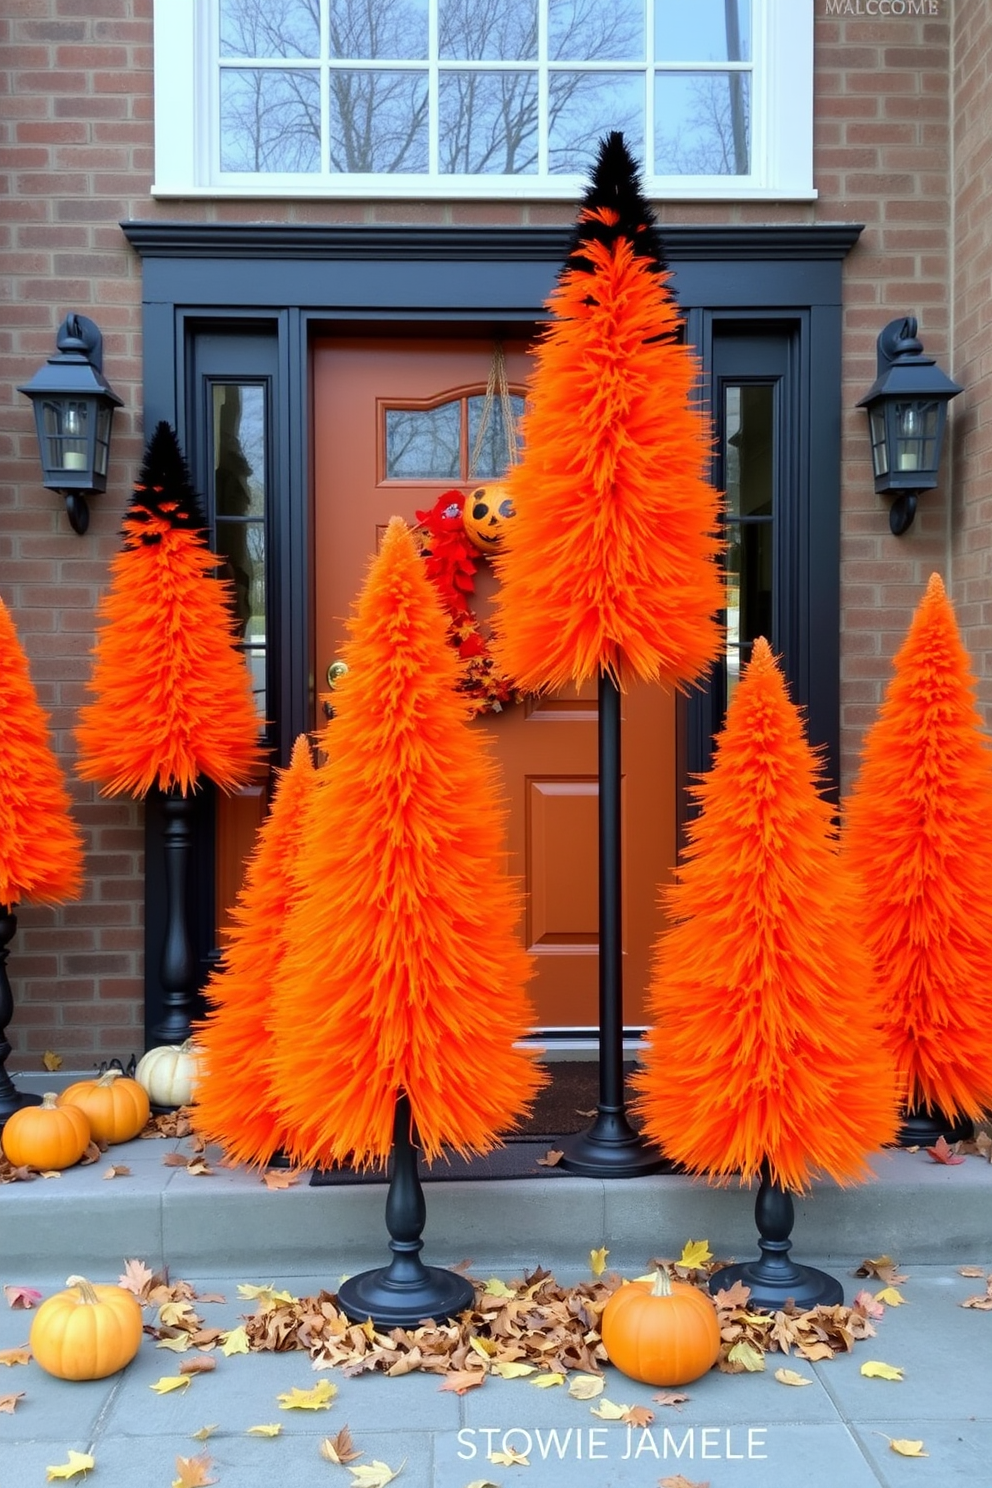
(115, 1106)
(485, 514)
(168, 1073)
(46, 1136)
(662, 1333)
(86, 1332)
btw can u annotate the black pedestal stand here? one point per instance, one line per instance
(11, 1100)
(404, 1293)
(178, 965)
(610, 1148)
(921, 1128)
(774, 1278)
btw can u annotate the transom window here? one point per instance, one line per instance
(482, 97)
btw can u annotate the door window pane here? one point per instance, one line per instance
(749, 475)
(491, 454)
(423, 443)
(240, 449)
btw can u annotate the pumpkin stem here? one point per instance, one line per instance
(49, 1100)
(109, 1078)
(661, 1283)
(85, 1289)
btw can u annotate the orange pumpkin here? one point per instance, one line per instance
(86, 1332)
(46, 1136)
(485, 514)
(662, 1333)
(116, 1107)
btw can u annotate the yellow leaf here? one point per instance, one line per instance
(874, 1369)
(891, 1296)
(234, 1342)
(266, 1295)
(597, 1260)
(790, 1377)
(272, 1430)
(586, 1386)
(117, 1170)
(340, 1448)
(695, 1253)
(319, 1398)
(51, 1061)
(170, 1382)
(907, 1448)
(204, 1433)
(179, 1345)
(749, 1357)
(496, 1288)
(481, 1483)
(193, 1472)
(79, 1462)
(607, 1411)
(171, 1313)
(484, 1346)
(510, 1369)
(545, 1381)
(509, 1458)
(374, 1474)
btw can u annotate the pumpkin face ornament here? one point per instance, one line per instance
(485, 514)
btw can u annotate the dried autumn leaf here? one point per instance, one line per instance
(867, 1304)
(510, 1458)
(117, 1170)
(979, 1303)
(547, 1381)
(942, 1153)
(875, 1369)
(680, 1482)
(884, 1267)
(695, 1253)
(962, 1271)
(551, 1158)
(481, 1483)
(79, 1462)
(265, 1296)
(137, 1278)
(496, 1288)
(511, 1368)
(8, 1403)
(180, 1344)
(51, 1060)
(790, 1377)
(204, 1433)
(339, 1449)
(607, 1411)
(639, 1416)
(170, 1382)
(906, 1448)
(280, 1178)
(201, 1364)
(193, 1472)
(200, 1168)
(597, 1260)
(21, 1297)
(235, 1341)
(460, 1380)
(484, 1347)
(11, 1356)
(746, 1356)
(374, 1475)
(891, 1296)
(586, 1386)
(272, 1429)
(667, 1398)
(318, 1398)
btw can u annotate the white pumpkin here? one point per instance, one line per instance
(168, 1074)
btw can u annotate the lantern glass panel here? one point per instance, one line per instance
(879, 447)
(916, 435)
(104, 418)
(66, 427)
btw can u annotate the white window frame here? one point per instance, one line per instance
(186, 107)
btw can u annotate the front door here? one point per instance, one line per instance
(394, 426)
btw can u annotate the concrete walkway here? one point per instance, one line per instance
(739, 1431)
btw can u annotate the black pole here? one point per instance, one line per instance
(774, 1278)
(406, 1292)
(610, 1148)
(178, 964)
(11, 1099)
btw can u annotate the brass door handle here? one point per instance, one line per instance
(334, 673)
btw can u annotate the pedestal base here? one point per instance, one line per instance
(15, 1100)
(922, 1128)
(807, 1286)
(611, 1149)
(438, 1294)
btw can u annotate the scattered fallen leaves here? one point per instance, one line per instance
(318, 1398)
(790, 1377)
(265, 1296)
(94, 1152)
(680, 1482)
(8, 1403)
(20, 1296)
(668, 1398)
(234, 1341)
(11, 1356)
(884, 1267)
(510, 1458)
(639, 1416)
(941, 1152)
(340, 1448)
(906, 1448)
(607, 1410)
(891, 1296)
(971, 1270)
(136, 1278)
(51, 1060)
(982, 1303)
(204, 1433)
(117, 1170)
(272, 1429)
(193, 1472)
(79, 1462)
(551, 1158)
(280, 1178)
(546, 1381)
(374, 1475)
(586, 1386)
(511, 1368)
(460, 1380)
(745, 1356)
(695, 1253)
(10, 1174)
(170, 1382)
(868, 1305)
(200, 1364)
(597, 1260)
(875, 1369)
(496, 1288)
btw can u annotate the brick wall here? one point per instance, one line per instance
(77, 158)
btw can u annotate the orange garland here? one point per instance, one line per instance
(766, 1044)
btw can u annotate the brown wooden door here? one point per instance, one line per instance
(547, 747)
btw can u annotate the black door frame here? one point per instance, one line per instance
(291, 281)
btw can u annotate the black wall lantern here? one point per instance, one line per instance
(73, 411)
(907, 413)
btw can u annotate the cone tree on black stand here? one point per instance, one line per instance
(172, 694)
(41, 853)
(611, 566)
(918, 835)
(764, 1060)
(401, 1000)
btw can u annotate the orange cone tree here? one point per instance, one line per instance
(611, 563)
(41, 854)
(918, 834)
(234, 1101)
(172, 697)
(403, 973)
(764, 1056)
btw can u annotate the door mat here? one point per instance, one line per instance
(566, 1105)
